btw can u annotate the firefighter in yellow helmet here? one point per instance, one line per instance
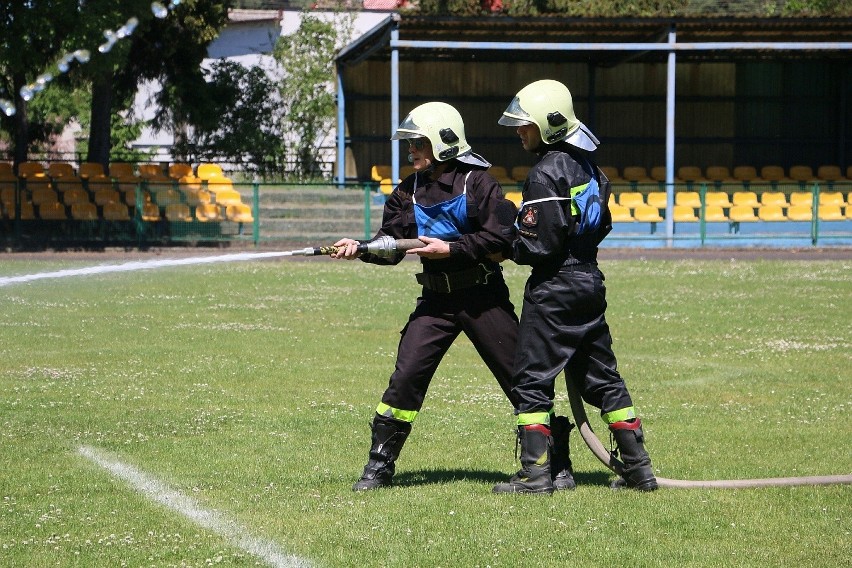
(458, 210)
(562, 219)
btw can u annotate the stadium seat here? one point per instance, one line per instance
(746, 174)
(773, 173)
(60, 169)
(801, 198)
(831, 198)
(30, 169)
(519, 173)
(226, 197)
(386, 186)
(620, 214)
(719, 198)
(830, 213)
(104, 196)
(631, 199)
(773, 198)
(64, 183)
(52, 211)
(84, 211)
(830, 173)
(802, 173)
(515, 197)
(27, 211)
(688, 198)
(800, 212)
(91, 169)
(197, 197)
(97, 182)
(151, 171)
(771, 212)
(150, 212)
(380, 172)
(208, 171)
(178, 212)
(6, 169)
(239, 212)
(115, 212)
(719, 174)
(690, 174)
(647, 214)
(657, 199)
(73, 196)
(658, 174)
(166, 196)
(501, 175)
(748, 198)
(684, 214)
(122, 170)
(611, 173)
(742, 213)
(177, 171)
(636, 174)
(715, 213)
(208, 212)
(44, 195)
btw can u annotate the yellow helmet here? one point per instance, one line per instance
(441, 124)
(548, 105)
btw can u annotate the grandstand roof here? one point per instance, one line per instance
(421, 37)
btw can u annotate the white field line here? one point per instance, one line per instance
(138, 265)
(159, 492)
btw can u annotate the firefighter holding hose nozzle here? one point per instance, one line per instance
(458, 211)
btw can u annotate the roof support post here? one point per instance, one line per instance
(394, 76)
(670, 139)
(341, 130)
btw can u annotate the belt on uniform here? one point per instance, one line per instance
(580, 267)
(446, 282)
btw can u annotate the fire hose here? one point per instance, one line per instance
(610, 461)
(385, 247)
(388, 247)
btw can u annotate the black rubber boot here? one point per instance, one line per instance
(630, 440)
(561, 471)
(534, 475)
(389, 435)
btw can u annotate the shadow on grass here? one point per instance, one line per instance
(446, 476)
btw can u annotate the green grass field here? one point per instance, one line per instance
(247, 387)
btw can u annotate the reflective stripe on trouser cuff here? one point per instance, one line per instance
(391, 412)
(628, 413)
(530, 418)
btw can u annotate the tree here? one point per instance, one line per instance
(307, 89)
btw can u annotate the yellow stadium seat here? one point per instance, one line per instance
(657, 199)
(98, 182)
(830, 198)
(166, 196)
(515, 197)
(91, 169)
(800, 212)
(239, 212)
(647, 214)
(718, 173)
(802, 173)
(179, 170)
(151, 171)
(177, 212)
(44, 195)
(84, 211)
(748, 198)
(715, 213)
(227, 197)
(380, 172)
(501, 175)
(52, 210)
(742, 213)
(688, 198)
(746, 174)
(773, 173)
(635, 174)
(30, 169)
(208, 212)
(773, 198)
(122, 170)
(519, 173)
(104, 196)
(690, 173)
(208, 171)
(386, 186)
(611, 173)
(719, 198)
(60, 169)
(620, 214)
(631, 199)
(831, 213)
(196, 197)
(116, 212)
(73, 196)
(830, 173)
(771, 212)
(150, 212)
(658, 173)
(684, 214)
(801, 198)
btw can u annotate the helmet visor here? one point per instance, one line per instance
(407, 129)
(515, 115)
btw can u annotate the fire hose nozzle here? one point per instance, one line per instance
(388, 247)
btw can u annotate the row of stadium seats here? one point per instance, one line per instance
(630, 206)
(717, 175)
(66, 172)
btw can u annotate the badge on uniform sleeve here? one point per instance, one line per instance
(530, 217)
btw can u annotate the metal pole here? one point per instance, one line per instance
(670, 140)
(394, 102)
(341, 131)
